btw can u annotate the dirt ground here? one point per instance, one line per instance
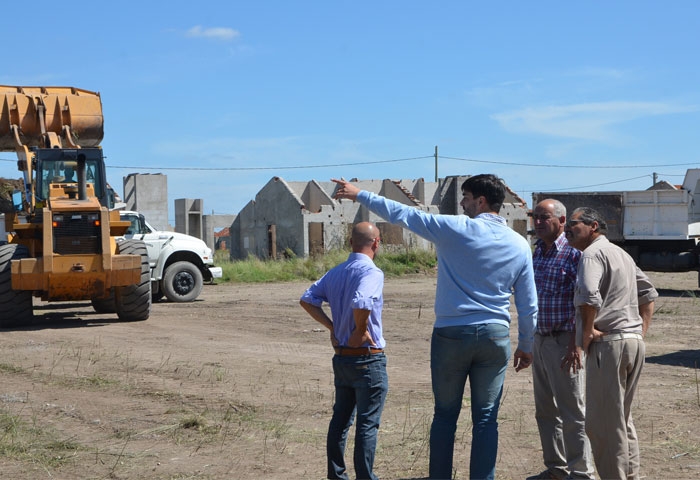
(238, 385)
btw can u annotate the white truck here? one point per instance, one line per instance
(180, 264)
(659, 227)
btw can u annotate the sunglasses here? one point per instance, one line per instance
(571, 223)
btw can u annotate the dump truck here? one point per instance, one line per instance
(658, 227)
(61, 233)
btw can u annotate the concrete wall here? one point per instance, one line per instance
(304, 219)
(514, 208)
(188, 216)
(271, 225)
(212, 223)
(148, 194)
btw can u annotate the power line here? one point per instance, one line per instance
(567, 166)
(595, 185)
(229, 169)
(376, 162)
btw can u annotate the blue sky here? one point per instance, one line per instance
(541, 93)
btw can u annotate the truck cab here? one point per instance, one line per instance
(180, 264)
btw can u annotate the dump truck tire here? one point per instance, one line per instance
(133, 303)
(15, 305)
(104, 305)
(182, 282)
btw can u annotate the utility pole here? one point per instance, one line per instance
(655, 177)
(436, 165)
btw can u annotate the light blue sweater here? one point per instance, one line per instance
(481, 263)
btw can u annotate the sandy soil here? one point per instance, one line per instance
(238, 385)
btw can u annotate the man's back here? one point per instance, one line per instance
(355, 283)
(481, 261)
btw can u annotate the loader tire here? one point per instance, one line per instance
(15, 305)
(133, 302)
(182, 282)
(104, 305)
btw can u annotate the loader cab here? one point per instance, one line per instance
(61, 166)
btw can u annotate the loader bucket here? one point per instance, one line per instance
(78, 110)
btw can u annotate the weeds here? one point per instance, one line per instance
(7, 368)
(254, 270)
(22, 441)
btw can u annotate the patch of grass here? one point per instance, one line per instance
(219, 374)
(196, 422)
(97, 381)
(93, 381)
(22, 441)
(6, 368)
(254, 270)
(406, 262)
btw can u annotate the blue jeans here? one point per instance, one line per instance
(361, 384)
(480, 353)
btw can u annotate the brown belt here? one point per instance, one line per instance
(345, 351)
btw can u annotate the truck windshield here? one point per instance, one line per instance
(138, 224)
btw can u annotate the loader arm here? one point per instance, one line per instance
(47, 117)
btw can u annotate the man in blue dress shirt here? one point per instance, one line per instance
(353, 290)
(481, 264)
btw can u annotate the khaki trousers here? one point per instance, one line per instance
(560, 409)
(613, 368)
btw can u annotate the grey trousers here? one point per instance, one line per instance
(560, 410)
(612, 369)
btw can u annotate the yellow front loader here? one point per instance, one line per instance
(62, 235)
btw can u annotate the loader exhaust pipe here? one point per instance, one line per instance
(82, 178)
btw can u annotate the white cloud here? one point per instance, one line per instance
(589, 121)
(217, 33)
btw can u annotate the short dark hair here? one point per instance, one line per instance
(488, 186)
(588, 215)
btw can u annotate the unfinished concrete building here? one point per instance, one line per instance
(188, 216)
(211, 225)
(148, 194)
(302, 218)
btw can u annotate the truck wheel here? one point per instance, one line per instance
(15, 305)
(133, 302)
(104, 305)
(182, 282)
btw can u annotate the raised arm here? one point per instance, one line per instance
(345, 189)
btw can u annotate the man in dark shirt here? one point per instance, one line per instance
(559, 392)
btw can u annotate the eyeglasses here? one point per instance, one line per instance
(572, 223)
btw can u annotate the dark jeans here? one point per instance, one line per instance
(480, 353)
(361, 384)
